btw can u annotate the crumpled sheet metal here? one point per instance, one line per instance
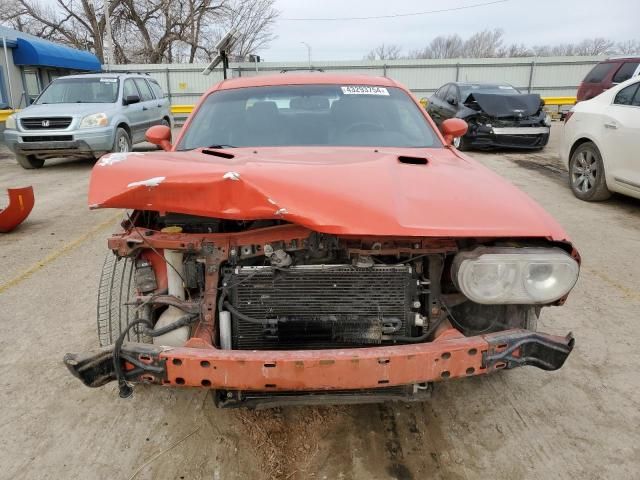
(21, 201)
(340, 191)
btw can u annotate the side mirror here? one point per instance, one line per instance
(453, 128)
(452, 101)
(159, 135)
(131, 99)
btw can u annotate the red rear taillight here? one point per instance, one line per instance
(567, 116)
(580, 93)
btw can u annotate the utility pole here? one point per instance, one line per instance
(107, 44)
(308, 52)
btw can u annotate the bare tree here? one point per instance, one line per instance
(515, 50)
(490, 43)
(595, 46)
(629, 47)
(450, 46)
(446, 47)
(384, 52)
(74, 22)
(147, 31)
(253, 20)
(484, 44)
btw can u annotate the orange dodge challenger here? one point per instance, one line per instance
(312, 238)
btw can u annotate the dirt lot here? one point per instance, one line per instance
(580, 422)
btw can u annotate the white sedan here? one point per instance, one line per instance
(602, 143)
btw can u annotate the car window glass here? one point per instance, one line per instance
(157, 91)
(597, 73)
(129, 89)
(636, 98)
(625, 72)
(453, 92)
(331, 115)
(500, 89)
(80, 90)
(440, 92)
(625, 96)
(445, 92)
(145, 91)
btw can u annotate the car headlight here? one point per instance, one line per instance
(95, 120)
(10, 122)
(504, 275)
(547, 120)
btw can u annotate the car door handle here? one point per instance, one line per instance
(612, 125)
(144, 109)
(159, 105)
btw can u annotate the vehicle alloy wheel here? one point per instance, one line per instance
(115, 313)
(123, 146)
(122, 142)
(586, 174)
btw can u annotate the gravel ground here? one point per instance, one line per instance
(582, 421)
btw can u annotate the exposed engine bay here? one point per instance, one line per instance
(327, 292)
(204, 285)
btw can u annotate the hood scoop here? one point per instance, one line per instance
(412, 160)
(218, 153)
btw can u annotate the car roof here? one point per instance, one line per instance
(484, 84)
(109, 75)
(623, 58)
(306, 78)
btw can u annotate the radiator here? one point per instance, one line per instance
(311, 307)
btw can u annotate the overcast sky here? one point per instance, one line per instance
(523, 21)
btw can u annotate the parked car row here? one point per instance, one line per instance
(86, 115)
(601, 137)
(89, 115)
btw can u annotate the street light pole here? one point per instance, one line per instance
(308, 52)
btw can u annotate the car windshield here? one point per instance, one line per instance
(293, 115)
(80, 90)
(466, 90)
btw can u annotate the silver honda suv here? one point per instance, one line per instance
(86, 116)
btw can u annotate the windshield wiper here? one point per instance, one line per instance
(221, 146)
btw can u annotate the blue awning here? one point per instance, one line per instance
(42, 53)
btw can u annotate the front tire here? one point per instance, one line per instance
(122, 141)
(461, 143)
(114, 293)
(29, 162)
(586, 174)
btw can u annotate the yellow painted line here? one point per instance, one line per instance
(628, 292)
(58, 253)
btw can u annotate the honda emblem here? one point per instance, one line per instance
(45, 123)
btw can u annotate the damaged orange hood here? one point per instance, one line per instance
(341, 190)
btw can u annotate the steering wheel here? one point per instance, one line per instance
(363, 126)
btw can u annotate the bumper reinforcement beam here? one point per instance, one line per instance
(450, 355)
